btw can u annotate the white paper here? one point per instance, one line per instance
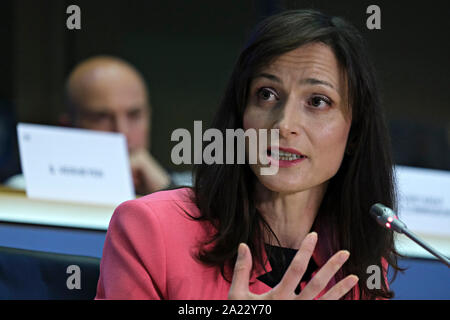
(424, 200)
(75, 165)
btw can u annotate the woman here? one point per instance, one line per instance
(303, 233)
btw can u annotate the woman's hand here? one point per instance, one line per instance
(285, 290)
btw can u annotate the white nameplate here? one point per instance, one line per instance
(75, 165)
(424, 200)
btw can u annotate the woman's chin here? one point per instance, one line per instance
(279, 184)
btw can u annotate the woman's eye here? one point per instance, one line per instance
(319, 101)
(266, 94)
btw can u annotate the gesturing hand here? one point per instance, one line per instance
(285, 290)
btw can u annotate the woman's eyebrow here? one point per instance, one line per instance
(310, 81)
(268, 76)
(314, 81)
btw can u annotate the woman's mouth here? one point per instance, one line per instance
(286, 157)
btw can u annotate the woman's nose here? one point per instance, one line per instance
(289, 121)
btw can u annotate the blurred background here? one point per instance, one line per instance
(186, 50)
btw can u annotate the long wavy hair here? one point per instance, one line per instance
(224, 193)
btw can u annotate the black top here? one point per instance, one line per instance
(280, 259)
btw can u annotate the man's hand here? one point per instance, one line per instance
(285, 290)
(148, 175)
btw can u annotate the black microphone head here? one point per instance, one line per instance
(377, 210)
(386, 217)
(379, 213)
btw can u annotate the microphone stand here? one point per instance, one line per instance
(387, 218)
(426, 246)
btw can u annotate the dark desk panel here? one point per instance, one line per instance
(85, 242)
(424, 279)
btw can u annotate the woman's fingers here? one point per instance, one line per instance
(239, 289)
(297, 268)
(341, 288)
(241, 276)
(324, 275)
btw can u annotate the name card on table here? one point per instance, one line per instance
(75, 165)
(424, 200)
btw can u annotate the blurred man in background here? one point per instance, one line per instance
(108, 94)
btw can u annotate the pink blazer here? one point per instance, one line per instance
(150, 248)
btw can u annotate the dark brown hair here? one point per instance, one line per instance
(225, 193)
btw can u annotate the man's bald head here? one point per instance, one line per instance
(108, 94)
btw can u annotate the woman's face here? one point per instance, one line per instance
(303, 94)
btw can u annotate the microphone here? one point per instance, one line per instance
(387, 218)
